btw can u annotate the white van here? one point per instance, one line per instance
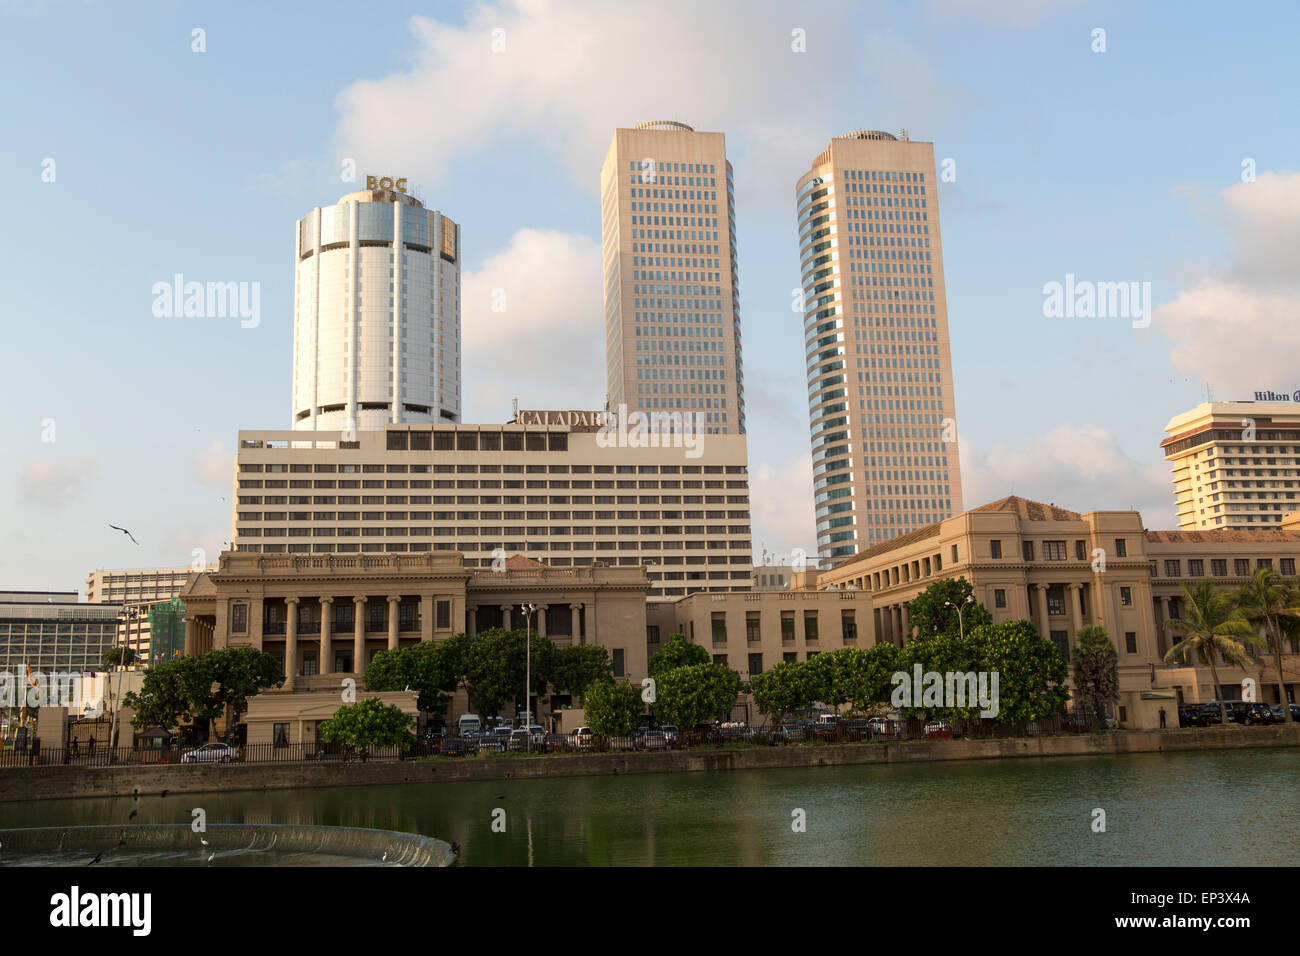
(468, 724)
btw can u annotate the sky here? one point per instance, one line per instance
(1111, 141)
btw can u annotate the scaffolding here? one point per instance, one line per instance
(166, 630)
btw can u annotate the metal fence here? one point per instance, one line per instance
(839, 732)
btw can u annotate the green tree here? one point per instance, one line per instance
(119, 657)
(367, 723)
(172, 693)
(575, 668)
(429, 669)
(677, 652)
(612, 710)
(694, 693)
(934, 610)
(781, 690)
(239, 673)
(1031, 671)
(1212, 625)
(492, 667)
(1096, 672)
(942, 652)
(1267, 600)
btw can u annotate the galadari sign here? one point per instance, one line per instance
(578, 421)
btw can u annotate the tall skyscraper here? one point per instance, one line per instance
(672, 301)
(880, 394)
(376, 321)
(1234, 464)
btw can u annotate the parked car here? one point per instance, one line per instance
(1258, 713)
(582, 738)
(654, 740)
(1294, 710)
(881, 727)
(211, 753)
(939, 730)
(670, 732)
(538, 734)
(468, 724)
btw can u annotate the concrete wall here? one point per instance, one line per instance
(49, 783)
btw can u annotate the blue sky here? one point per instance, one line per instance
(1123, 165)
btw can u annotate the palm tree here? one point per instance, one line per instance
(1267, 601)
(1212, 624)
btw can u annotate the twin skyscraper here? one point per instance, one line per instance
(377, 315)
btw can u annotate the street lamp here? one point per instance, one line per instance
(528, 609)
(961, 627)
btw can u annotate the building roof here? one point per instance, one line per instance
(1030, 510)
(518, 562)
(1025, 508)
(1221, 536)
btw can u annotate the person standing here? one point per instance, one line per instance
(1162, 718)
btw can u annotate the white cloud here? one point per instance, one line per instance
(572, 71)
(50, 483)
(1077, 467)
(781, 507)
(547, 347)
(214, 465)
(1236, 328)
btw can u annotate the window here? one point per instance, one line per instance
(1126, 596)
(652, 633)
(755, 664)
(1241, 567)
(443, 611)
(1173, 569)
(1121, 548)
(1053, 550)
(810, 625)
(618, 661)
(954, 554)
(1219, 567)
(995, 548)
(1288, 566)
(720, 659)
(239, 619)
(790, 657)
(279, 735)
(1080, 550)
(1055, 601)
(719, 627)
(1130, 642)
(753, 630)
(1062, 641)
(849, 626)
(787, 626)
(1027, 550)
(999, 597)
(1264, 563)
(1195, 568)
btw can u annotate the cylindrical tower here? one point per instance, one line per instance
(376, 314)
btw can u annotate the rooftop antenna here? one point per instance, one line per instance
(514, 407)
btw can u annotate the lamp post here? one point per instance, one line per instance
(528, 609)
(961, 627)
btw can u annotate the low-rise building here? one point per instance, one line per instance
(325, 617)
(1063, 570)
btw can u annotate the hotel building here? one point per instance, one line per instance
(376, 329)
(50, 631)
(880, 390)
(672, 299)
(550, 492)
(1236, 465)
(1063, 570)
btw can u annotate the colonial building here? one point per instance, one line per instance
(325, 617)
(1063, 570)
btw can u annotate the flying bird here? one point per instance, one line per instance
(203, 841)
(125, 532)
(211, 857)
(133, 813)
(97, 858)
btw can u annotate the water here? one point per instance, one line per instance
(1207, 809)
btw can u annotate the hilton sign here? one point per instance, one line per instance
(577, 421)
